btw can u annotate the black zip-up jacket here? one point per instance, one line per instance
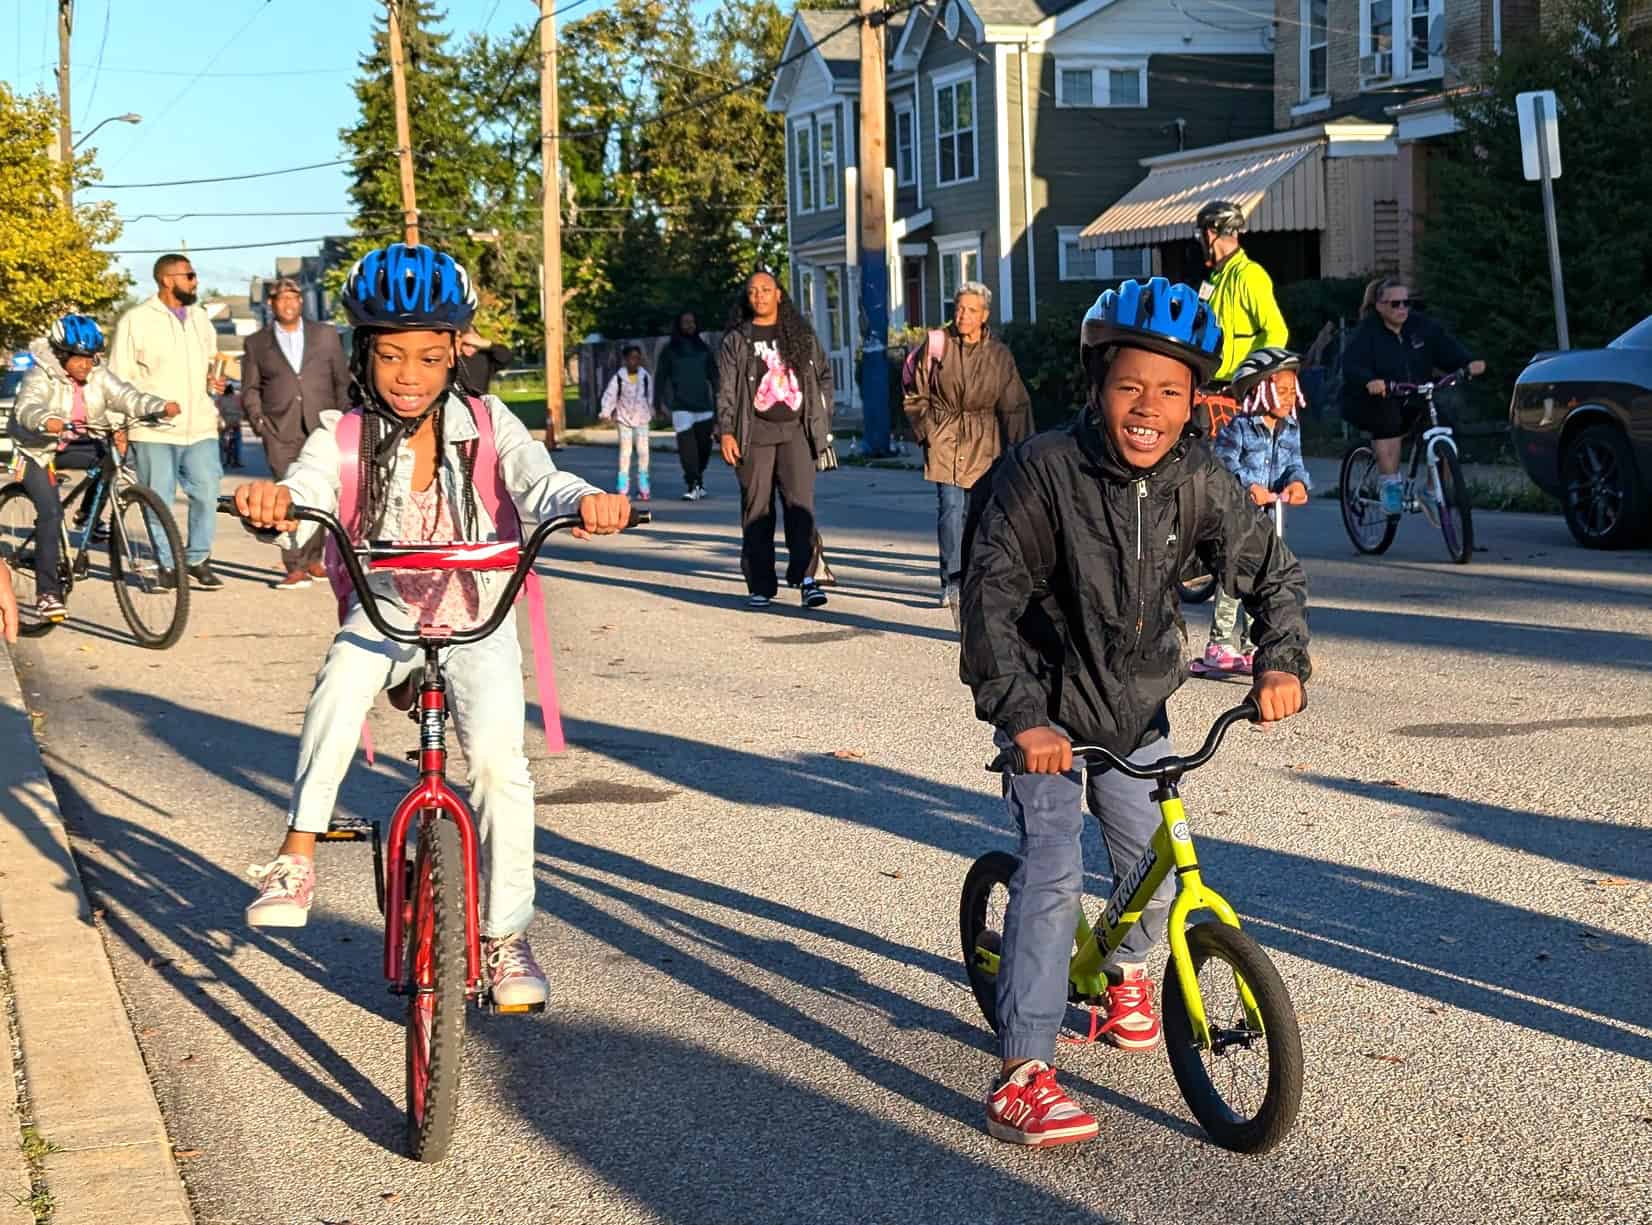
(1101, 650)
(1412, 356)
(735, 408)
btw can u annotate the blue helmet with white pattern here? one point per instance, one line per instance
(78, 335)
(409, 288)
(1157, 316)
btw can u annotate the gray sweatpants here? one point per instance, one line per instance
(1046, 891)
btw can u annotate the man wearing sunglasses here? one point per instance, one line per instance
(165, 346)
(1394, 344)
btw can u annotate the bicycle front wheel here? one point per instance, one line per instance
(1246, 1086)
(981, 911)
(153, 599)
(18, 542)
(1456, 516)
(435, 961)
(1368, 525)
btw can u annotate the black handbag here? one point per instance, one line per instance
(826, 457)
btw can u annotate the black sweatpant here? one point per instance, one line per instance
(48, 528)
(787, 468)
(694, 449)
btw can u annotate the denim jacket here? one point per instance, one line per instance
(1260, 456)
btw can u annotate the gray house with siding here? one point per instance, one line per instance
(1012, 124)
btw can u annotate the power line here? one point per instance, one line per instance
(251, 246)
(221, 76)
(235, 178)
(86, 113)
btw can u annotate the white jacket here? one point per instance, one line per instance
(48, 392)
(157, 354)
(629, 403)
(537, 489)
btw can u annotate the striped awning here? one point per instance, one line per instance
(1279, 189)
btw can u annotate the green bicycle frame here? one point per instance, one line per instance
(1170, 850)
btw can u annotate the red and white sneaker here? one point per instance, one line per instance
(1131, 1024)
(516, 978)
(1030, 1108)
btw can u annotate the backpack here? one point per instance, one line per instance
(1036, 534)
(929, 357)
(495, 499)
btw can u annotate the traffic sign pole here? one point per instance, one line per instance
(1561, 331)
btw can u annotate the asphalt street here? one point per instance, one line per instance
(749, 863)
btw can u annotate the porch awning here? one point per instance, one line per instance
(1279, 189)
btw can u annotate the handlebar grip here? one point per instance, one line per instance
(639, 517)
(1011, 761)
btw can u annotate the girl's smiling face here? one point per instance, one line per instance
(411, 369)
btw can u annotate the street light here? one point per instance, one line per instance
(129, 117)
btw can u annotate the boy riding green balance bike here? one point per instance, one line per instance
(1071, 632)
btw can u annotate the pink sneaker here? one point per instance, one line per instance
(1222, 658)
(284, 894)
(1132, 1025)
(516, 977)
(1030, 1108)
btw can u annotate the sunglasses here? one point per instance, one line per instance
(188, 276)
(1399, 304)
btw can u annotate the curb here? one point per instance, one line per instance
(89, 1091)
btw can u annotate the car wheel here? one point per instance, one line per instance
(1601, 490)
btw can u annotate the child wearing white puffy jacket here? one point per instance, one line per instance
(628, 400)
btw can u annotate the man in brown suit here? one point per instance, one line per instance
(292, 372)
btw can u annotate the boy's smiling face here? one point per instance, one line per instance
(1146, 400)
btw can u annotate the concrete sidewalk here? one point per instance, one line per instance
(89, 1096)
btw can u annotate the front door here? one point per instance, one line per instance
(833, 329)
(912, 277)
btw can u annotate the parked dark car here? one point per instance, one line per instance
(1582, 423)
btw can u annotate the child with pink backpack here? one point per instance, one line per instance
(414, 460)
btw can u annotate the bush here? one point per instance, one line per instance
(1046, 353)
(1309, 305)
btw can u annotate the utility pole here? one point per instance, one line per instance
(551, 214)
(404, 135)
(65, 142)
(874, 256)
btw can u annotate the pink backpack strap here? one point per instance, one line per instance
(347, 433)
(937, 346)
(496, 500)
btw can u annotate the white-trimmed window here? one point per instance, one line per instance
(1103, 264)
(803, 167)
(826, 147)
(806, 294)
(906, 145)
(956, 152)
(960, 261)
(1103, 82)
(1399, 30)
(1315, 65)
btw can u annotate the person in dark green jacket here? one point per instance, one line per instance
(685, 385)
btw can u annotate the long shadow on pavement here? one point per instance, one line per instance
(1548, 644)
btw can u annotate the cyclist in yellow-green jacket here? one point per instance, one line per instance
(1240, 292)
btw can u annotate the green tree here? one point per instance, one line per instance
(1483, 261)
(50, 262)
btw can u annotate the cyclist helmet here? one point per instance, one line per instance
(1223, 216)
(77, 335)
(409, 288)
(1260, 364)
(1157, 316)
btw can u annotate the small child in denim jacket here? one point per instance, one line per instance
(1262, 447)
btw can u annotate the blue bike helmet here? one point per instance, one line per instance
(78, 335)
(1157, 316)
(409, 288)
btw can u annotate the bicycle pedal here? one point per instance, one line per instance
(411, 754)
(350, 829)
(516, 1009)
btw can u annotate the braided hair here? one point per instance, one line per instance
(382, 430)
(796, 337)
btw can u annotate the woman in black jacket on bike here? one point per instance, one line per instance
(774, 407)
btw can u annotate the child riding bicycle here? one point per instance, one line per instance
(1071, 631)
(416, 479)
(67, 391)
(1262, 446)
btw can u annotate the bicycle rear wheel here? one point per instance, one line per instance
(1369, 527)
(981, 910)
(435, 961)
(1456, 515)
(1246, 1087)
(142, 533)
(17, 549)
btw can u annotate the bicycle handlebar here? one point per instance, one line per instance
(351, 555)
(1013, 761)
(1401, 391)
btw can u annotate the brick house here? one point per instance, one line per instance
(1011, 124)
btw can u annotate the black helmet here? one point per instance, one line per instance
(1223, 216)
(1260, 364)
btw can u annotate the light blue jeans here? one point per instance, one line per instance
(199, 468)
(951, 501)
(1047, 889)
(485, 696)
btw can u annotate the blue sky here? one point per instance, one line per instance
(228, 121)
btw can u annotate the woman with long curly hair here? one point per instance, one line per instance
(774, 410)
